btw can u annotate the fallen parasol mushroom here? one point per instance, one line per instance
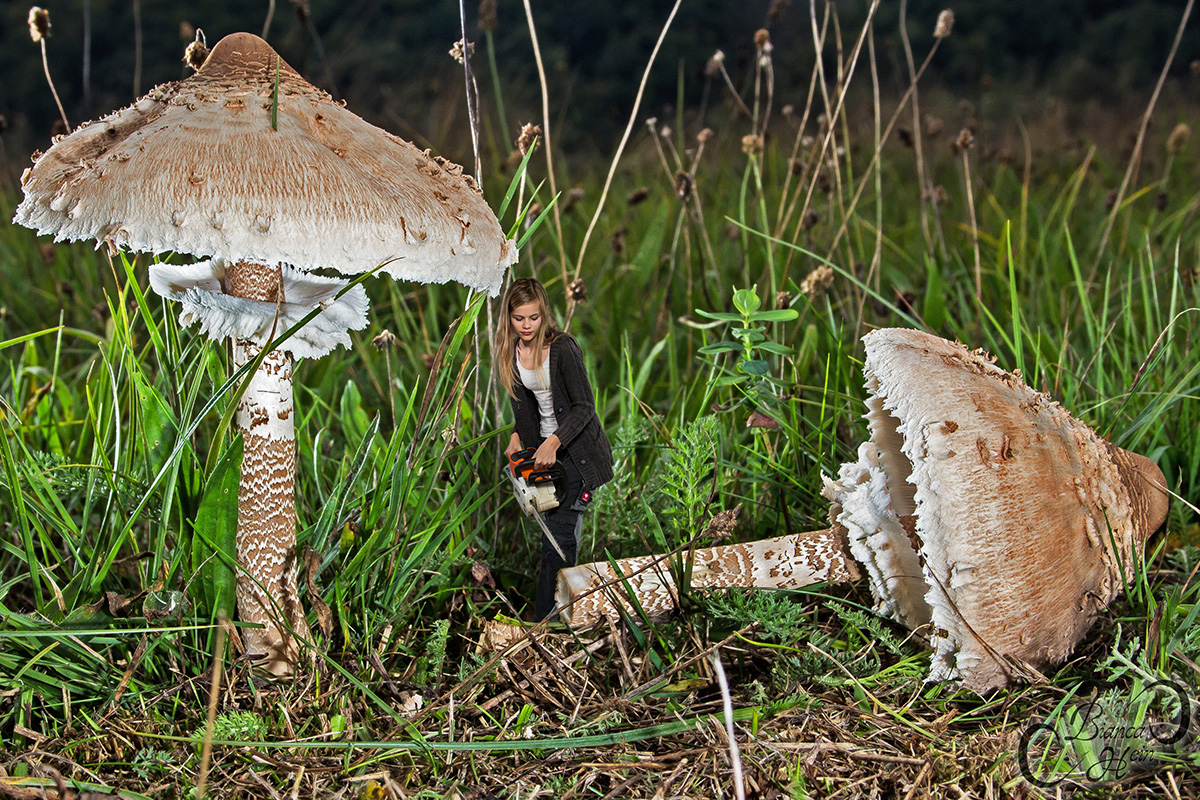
(982, 513)
(264, 177)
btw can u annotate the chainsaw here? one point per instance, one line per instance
(537, 490)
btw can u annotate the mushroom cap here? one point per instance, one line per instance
(196, 167)
(198, 289)
(1026, 518)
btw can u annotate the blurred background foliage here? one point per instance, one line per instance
(388, 58)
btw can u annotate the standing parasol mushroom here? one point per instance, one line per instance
(980, 510)
(248, 167)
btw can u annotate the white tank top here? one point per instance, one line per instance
(538, 382)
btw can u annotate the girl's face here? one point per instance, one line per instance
(526, 321)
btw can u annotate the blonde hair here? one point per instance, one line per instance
(522, 291)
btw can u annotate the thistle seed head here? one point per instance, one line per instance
(945, 23)
(817, 282)
(458, 50)
(387, 339)
(1177, 141)
(577, 291)
(39, 24)
(195, 54)
(529, 132)
(487, 15)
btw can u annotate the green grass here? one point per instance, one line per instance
(115, 477)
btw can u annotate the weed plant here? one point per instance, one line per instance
(750, 244)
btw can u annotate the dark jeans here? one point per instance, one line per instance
(566, 524)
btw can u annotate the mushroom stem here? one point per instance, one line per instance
(785, 562)
(266, 534)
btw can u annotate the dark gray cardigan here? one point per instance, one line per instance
(575, 411)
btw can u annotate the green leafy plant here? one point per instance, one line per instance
(752, 377)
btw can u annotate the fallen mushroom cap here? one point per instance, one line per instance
(1026, 519)
(980, 509)
(197, 166)
(198, 289)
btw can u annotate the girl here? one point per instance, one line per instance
(542, 370)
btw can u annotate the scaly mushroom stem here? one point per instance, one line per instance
(785, 562)
(266, 532)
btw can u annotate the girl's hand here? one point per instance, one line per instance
(547, 454)
(514, 444)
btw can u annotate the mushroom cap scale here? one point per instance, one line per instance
(196, 167)
(1026, 518)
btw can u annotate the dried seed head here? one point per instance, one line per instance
(683, 185)
(762, 38)
(637, 195)
(777, 9)
(387, 339)
(187, 31)
(39, 24)
(535, 211)
(572, 197)
(713, 67)
(906, 136)
(788, 110)
(704, 136)
(933, 126)
(752, 144)
(1178, 139)
(817, 282)
(617, 242)
(529, 132)
(195, 54)
(783, 299)
(796, 165)
(964, 141)
(1110, 199)
(945, 23)
(1160, 201)
(577, 291)
(456, 52)
(48, 253)
(810, 220)
(487, 15)
(824, 183)
(940, 196)
(665, 132)
(721, 526)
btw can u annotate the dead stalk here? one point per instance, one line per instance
(53, 91)
(1136, 158)
(214, 691)
(612, 168)
(735, 756)
(922, 181)
(541, 68)
(966, 161)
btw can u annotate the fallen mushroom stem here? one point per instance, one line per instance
(266, 531)
(590, 592)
